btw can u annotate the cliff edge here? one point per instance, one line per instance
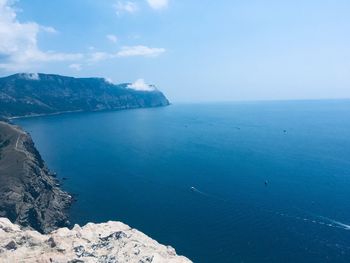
(108, 242)
(29, 194)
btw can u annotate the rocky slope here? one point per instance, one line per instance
(32, 94)
(29, 194)
(107, 242)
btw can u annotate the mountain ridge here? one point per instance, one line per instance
(27, 94)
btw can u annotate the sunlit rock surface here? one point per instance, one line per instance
(106, 242)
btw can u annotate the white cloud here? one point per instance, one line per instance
(158, 4)
(109, 80)
(77, 67)
(131, 51)
(129, 7)
(19, 50)
(141, 85)
(18, 42)
(31, 76)
(48, 29)
(99, 56)
(112, 38)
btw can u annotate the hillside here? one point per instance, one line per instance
(33, 94)
(29, 194)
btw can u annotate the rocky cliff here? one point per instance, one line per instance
(32, 94)
(29, 194)
(108, 242)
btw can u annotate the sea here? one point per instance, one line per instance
(220, 182)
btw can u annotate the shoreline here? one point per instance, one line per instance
(30, 194)
(41, 115)
(55, 234)
(25, 135)
(79, 111)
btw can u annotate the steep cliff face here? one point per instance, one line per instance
(29, 194)
(107, 242)
(32, 94)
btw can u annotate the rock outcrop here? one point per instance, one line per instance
(29, 194)
(107, 242)
(39, 94)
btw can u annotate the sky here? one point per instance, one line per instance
(192, 50)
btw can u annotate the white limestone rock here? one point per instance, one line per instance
(112, 242)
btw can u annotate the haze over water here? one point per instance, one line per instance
(138, 167)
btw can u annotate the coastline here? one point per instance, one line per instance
(35, 210)
(9, 118)
(41, 115)
(30, 194)
(41, 168)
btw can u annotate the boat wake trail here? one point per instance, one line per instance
(321, 220)
(336, 223)
(195, 190)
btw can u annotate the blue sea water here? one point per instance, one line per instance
(138, 166)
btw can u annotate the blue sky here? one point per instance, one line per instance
(192, 50)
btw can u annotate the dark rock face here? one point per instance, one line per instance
(26, 94)
(29, 194)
